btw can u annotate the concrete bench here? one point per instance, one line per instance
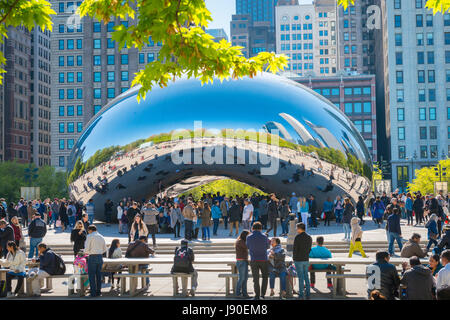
(70, 290)
(133, 291)
(234, 277)
(212, 269)
(334, 277)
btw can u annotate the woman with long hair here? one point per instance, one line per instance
(138, 228)
(16, 261)
(114, 252)
(303, 208)
(63, 215)
(78, 237)
(347, 217)
(355, 241)
(242, 264)
(176, 219)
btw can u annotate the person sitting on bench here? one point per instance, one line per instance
(140, 249)
(320, 251)
(182, 263)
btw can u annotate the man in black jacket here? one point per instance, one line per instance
(47, 267)
(272, 214)
(301, 249)
(418, 280)
(182, 263)
(383, 276)
(36, 231)
(6, 235)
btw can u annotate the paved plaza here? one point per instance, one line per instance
(210, 286)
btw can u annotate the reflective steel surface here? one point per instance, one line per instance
(229, 129)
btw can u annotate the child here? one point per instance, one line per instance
(80, 266)
(356, 238)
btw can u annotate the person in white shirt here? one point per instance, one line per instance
(443, 277)
(247, 214)
(119, 215)
(95, 247)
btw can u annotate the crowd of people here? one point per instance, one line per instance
(248, 216)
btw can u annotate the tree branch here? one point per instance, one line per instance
(9, 11)
(178, 22)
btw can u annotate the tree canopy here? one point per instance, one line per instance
(425, 178)
(27, 13)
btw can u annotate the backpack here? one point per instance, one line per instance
(182, 258)
(70, 212)
(60, 267)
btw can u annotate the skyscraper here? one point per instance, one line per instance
(17, 95)
(88, 71)
(417, 90)
(258, 10)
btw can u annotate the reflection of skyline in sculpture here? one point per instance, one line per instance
(137, 138)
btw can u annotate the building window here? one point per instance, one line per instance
(399, 76)
(420, 76)
(69, 144)
(400, 95)
(400, 114)
(357, 107)
(111, 93)
(61, 158)
(110, 59)
(433, 133)
(97, 60)
(97, 109)
(358, 125)
(97, 27)
(61, 111)
(70, 94)
(70, 44)
(368, 126)
(124, 58)
(61, 44)
(61, 61)
(97, 76)
(79, 60)
(432, 112)
(110, 26)
(61, 10)
(431, 95)
(79, 110)
(431, 76)
(430, 57)
(419, 20)
(397, 4)
(421, 95)
(420, 57)
(423, 152)
(398, 58)
(447, 19)
(124, 76)
(141, 58)
(79, 126)
(397, 21)
(97, 93)
(110, 75)
(423, 133)
(61, 77)
(79, 76)
(61, 94)
(70, 77)
(398, 39)
(429, 20)
(110, 43)
(430, 40)
(401, 152)
(418, 4)
(70, 127)
(150, 57)
(79, 93)
(70, 110)
(61, 28)
(401, 133)
(433, 152)
(79, 44)
(97, 44)
(61, 127)
(419, 38)
(422, 114)
(348, 108)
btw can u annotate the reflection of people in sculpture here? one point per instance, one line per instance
(328, 187)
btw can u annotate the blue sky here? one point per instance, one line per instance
(222, 10)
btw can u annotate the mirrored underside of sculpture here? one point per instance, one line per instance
(268, 132)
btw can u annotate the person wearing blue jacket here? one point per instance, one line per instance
(216, 214)
(257, 244)
(320, 251)
(409, 208)
(327, 210)
(432, 231)
(394, 230)
(378, 208)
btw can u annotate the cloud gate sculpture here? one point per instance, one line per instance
(269, 132)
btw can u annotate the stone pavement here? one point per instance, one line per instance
(210, 286)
